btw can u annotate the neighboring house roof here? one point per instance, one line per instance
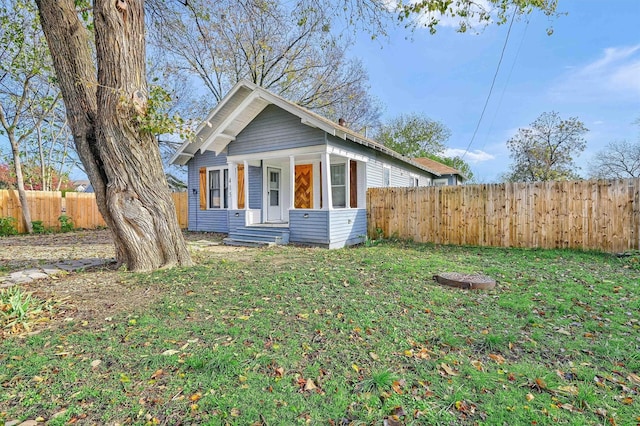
(243, 103)
(442, 169)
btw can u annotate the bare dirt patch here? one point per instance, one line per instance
(28, 251)
(98, 293)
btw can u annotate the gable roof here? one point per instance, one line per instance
(443, 169)
(243, 103)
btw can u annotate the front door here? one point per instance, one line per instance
(274, 195)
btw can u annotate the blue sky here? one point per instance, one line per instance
(589, 68)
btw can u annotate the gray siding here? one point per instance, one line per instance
(347, 227)
(204, 220)
(374, 174)
(236, 219)
(274, 129)
(255, 187)
(378, 158)
(312, 229)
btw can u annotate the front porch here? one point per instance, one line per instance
(308, 192)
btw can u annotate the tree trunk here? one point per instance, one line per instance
(22, 194)
(122, 162)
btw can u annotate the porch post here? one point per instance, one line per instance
(292, 182)
(326, 187)
(233, 185)
(246, 184)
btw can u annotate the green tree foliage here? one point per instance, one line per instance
(545, 151)
(457, 163)
(414, 135)
(469, 14)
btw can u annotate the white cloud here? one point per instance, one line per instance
(476, 156)
(614, 76)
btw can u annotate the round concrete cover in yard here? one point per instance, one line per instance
(468, 281)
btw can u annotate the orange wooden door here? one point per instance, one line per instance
(241, 186)
(304, 186)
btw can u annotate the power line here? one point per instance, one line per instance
(495, 76)
(504, 89)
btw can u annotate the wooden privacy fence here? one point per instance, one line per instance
(594, 215)
(48, 206)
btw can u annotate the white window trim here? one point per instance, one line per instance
(345, 185)
(222, 188)
(384, 182)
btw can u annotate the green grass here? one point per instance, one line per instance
(289, 336)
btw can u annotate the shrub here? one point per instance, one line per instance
(38, 227)
(8, 226)
(66, 223)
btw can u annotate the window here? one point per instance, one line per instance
(338, 185)
(440, 182)
(218, 188)
(414, 181)
(386, 176)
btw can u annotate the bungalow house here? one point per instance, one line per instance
(264, 169)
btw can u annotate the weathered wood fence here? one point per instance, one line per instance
(598, 215)
(48, 206)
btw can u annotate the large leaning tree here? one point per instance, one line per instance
(107, 105)
(107, 102)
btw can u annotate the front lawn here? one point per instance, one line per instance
(357, 336)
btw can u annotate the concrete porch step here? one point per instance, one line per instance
(256, 236)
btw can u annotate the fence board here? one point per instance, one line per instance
(180, 200)
(47, 206)
(594, 215)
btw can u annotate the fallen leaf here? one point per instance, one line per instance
(235, 412)
(398, 411)
(310, 385)
(303, 316)
(601, 412)
(447, 369)
(541, 383)
(279, 372)
(169, 352)
(634, 378)
(529, 397)
(627, 400)
(563, 331)
(157, 374)
(95, 363)
(569, 407)
(355, 368)
(195, 397)
(374, 356)
(571, 390)
(392, 421)
(497, 358)
(397, 387)
(477, 364)
(244, 317)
